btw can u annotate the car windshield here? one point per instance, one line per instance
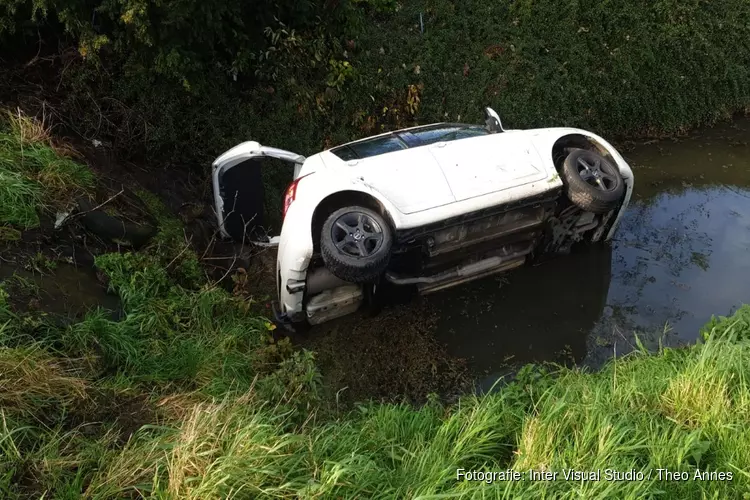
(399, 140)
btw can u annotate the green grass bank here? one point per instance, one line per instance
(181, 394)
(683, 410)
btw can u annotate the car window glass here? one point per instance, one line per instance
(470, 132)
(433, 135)
(373, 147)
(409, 138)
(447, 133)
(345, 153)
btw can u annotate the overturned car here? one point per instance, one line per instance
(430, 207)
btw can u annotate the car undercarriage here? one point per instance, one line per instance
(457, 251)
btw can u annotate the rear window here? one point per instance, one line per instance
(372, 147)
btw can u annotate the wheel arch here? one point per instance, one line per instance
(577, 140)
(339, 199)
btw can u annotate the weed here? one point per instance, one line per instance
(22, 285)
(9, 234)
(33, 174)
(170, 333)
(19, 199)
(32, 380)
(41, 264)
(171, 244)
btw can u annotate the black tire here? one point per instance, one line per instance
(355, 243)
(113, 228)
(591, 181)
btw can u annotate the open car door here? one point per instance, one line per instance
(248, 185)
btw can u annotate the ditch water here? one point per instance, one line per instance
(680, 255)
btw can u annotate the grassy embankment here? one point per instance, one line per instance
(219, 412)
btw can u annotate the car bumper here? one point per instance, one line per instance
(293, 260)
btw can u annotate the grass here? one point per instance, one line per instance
(682, 410)
(185, 395)
(643, 414)
(229, 428)
(34, 173)
(31, 378)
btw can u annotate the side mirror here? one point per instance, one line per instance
(492, 121)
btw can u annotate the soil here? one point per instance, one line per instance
(126, 412)
(391, 357)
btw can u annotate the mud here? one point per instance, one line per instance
(392, 357)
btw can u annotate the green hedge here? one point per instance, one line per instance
(332, 71)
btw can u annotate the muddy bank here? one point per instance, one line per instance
(393, 357)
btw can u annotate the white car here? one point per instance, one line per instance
(431, 207)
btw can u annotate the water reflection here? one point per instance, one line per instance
(540, 313)
(680, 255)
(682, 258)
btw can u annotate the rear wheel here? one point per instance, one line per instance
(591, 181)
(355, 243)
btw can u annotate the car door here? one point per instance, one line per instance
(483, 164)
(410, 178)
(248, 185)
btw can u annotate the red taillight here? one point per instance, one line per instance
(291, 193)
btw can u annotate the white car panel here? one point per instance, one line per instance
(480, 165)
(411, 179)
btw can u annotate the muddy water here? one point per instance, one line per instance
(681, 254)
(65, 291)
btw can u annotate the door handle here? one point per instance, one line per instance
(440, 144)
(351, 163)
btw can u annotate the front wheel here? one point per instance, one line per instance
(356, 244)
(592, 182)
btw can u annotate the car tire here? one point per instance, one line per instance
(112, 228)
(591, 181)
(355, 244)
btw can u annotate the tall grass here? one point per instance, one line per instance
(683, 410)
(169, 333)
